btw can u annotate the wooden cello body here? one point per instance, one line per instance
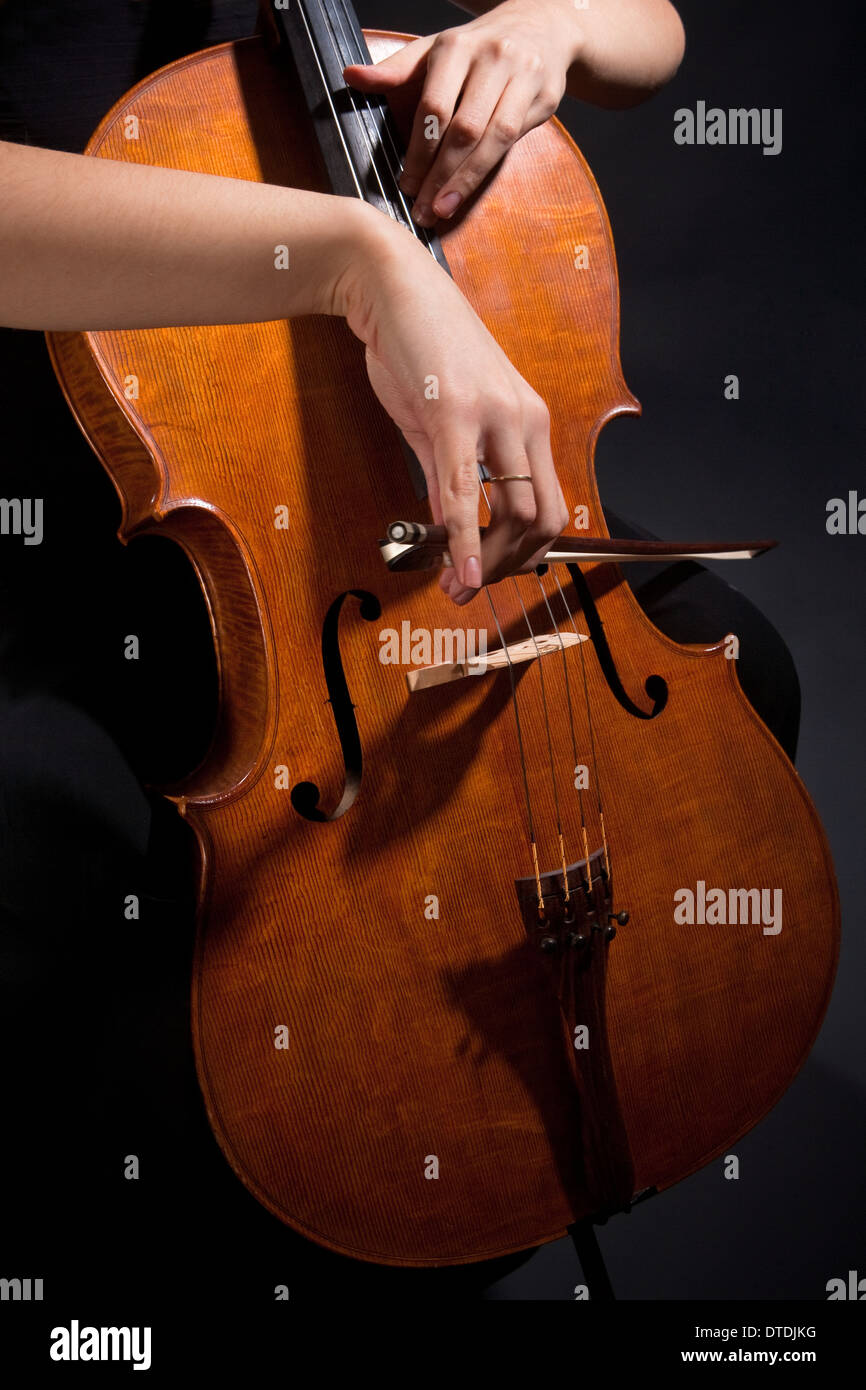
(387, 1048)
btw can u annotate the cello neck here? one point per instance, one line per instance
(357, 134)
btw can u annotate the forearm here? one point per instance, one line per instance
(621, 50)
(94, 244)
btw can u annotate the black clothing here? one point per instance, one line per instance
(94, 1007)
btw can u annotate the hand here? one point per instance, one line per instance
(450, 388)
(476, 90)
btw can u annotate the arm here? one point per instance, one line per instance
(490, 81)
(620, 51)
(97, 244)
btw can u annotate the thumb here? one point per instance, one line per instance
(391, 72)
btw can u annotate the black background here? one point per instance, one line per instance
(730, 262)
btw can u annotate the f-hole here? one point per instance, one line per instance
(305, 795)
(656, 687)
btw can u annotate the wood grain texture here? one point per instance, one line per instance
(411, 1037)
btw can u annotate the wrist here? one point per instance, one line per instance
(560, 16)
(377, 256)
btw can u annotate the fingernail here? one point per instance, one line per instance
(447, 205)
(465, 596)
(472, 572)
(422, 214)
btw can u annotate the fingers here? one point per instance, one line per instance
(487, 105)
(448, 64)
(481, 408)
(456, 462)
(551, 513)
(478, 96)
(461, 167)
(391, 72)
(399, 77)
(525, 516)
(467, 122)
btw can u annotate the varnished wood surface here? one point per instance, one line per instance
(412, 1037)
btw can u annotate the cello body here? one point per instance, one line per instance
(380, 1051)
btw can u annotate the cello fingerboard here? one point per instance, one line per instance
(357, 134)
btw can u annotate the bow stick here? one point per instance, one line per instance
(414, 545)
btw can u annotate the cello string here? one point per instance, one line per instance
(550, 758)
(588, 706)
(531, 824)
(353, 49)
(378, 131)
(596, 778)
(353, 45)
(578, 787)
(362, 125)
(315, 52)
(373, 146)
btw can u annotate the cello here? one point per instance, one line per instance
(511, 942)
